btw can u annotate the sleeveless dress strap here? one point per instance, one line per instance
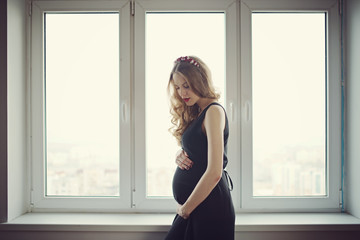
(213, 103)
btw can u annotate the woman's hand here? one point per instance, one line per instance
(181, 211)
(182, 160)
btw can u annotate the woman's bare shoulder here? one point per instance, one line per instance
(215, 110)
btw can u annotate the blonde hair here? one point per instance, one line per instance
(199, 80)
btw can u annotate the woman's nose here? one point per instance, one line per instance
(182, 92)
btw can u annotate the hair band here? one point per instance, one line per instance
(189, 60)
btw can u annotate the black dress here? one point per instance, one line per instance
(214, 218)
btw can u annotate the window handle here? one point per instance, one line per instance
(123, 112)
(231, 106)
(247, 111)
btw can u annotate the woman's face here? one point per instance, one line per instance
(184, 91)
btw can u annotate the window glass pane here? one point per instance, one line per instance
(289, 104)
(169, 36)
(82, 104)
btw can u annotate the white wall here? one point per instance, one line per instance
(17, 175)
(352, 77)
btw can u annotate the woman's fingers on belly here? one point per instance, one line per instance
(183, 161)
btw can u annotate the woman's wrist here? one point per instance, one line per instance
(183, 211)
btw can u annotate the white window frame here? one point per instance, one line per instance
(229, 8)
(132, 104)
(39, 202)
(331, 201)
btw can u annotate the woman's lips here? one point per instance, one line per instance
(186, 99)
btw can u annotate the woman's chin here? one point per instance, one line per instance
(189, 103)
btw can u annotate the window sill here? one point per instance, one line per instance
(248, 222)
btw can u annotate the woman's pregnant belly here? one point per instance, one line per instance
(184, 182)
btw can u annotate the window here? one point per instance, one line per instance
(99, 112)
(81, 78)
(290, 157)
(80, 105)
(166, 48)
(155, 53)
(289, 91)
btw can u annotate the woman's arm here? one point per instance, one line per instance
(214, 124)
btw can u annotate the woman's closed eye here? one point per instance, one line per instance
(186, 85)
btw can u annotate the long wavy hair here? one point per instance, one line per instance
(199, 80)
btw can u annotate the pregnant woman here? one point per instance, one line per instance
(200, 184)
